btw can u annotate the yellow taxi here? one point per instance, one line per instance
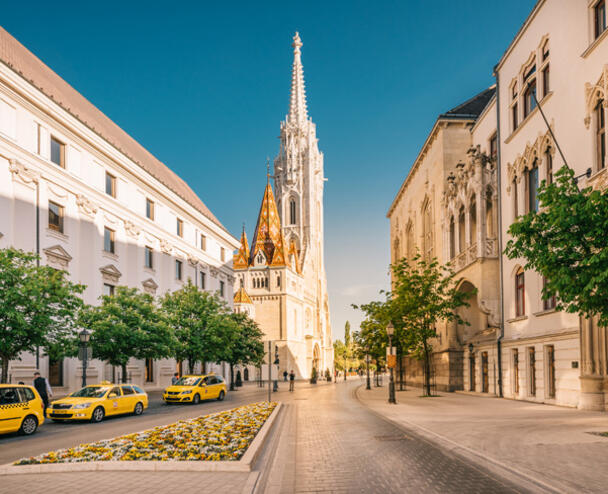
(193, 389)
(21, 409)
(97, 401)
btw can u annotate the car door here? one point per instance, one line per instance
(113, 401)
(128, 400)
(213, 386)
(10, 409)
(205, 386)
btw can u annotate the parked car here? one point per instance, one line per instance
(193, 389)
(21, 409)
(97, 401)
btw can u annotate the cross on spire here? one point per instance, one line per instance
(298, 112)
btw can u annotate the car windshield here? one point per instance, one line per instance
(188, 381)
(90, 392)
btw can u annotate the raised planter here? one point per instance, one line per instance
(244, 464)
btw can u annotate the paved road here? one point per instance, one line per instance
(54, 435)
(332, 443)
(324, 441)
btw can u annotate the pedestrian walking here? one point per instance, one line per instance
(292, 379)
(285, 375)
(175, 378)
(44, 388)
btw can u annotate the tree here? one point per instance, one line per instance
(196, 318)
(565, 241)
(347, 336)
(39, 307)
(424, 293)
(244, 344)
(128, 324)
(340, 360)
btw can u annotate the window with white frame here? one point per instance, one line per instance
(600, 135)
(599, 18)
(544, 68)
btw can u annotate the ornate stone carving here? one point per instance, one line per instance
(150, 286)
(490, 307)
(165, 246)
(193, 261)
(85, 206)
(110, 273)
(533, 151)
(57, 257)
(214, 271)
(594, 93)
(132, 229)
(23, 174)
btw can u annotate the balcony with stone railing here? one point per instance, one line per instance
(471, 254)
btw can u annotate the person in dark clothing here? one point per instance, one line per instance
(285, 375)
(44, 389)
(292, 379)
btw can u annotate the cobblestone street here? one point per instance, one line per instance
(331, 443)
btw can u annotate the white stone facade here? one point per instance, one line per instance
(559, 41)
(34, 177)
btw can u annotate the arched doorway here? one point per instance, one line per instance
(246, 374)
(315, 358)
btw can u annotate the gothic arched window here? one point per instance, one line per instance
(489, 215)
(531, 175)
(452, 238)
(427, 224)
(600, 135)
(461, 230)
(411, 248)
(473, 222)
(292, 212)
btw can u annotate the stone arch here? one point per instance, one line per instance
(316, 357)
(474, 315)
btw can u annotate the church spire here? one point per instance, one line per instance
(268, 237)
(241, 258)
(297, 103)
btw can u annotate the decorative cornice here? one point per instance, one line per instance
(110, 273)
(193, 261)
(594, 93)
(214, 271)
(85, 206)
(57, 257)
(150, 286)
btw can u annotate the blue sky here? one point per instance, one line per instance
(204, 86)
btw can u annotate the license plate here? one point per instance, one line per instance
(60, 411)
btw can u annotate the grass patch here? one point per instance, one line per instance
(214, 437)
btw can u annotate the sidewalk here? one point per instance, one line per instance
(547, 443)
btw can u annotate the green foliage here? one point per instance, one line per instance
(424, 293)
(128, 324)
(347, 335)
(566, 242)
(198, 320)
(313, 376)
(39, 307)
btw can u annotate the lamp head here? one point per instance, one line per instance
(390, 329)
(84, 336)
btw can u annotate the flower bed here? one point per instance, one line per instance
(218, 436)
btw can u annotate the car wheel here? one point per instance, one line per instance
(98, 414)
(29, 425)
(220, 397)
(197, 399)
(139, 408)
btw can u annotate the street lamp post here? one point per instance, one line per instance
(84, 337)
(367, 370)
(275, 383)
(390, 331)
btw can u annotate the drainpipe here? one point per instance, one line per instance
(38, 252)
(500, 248)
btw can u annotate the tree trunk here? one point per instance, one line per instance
(231, 377)
(203, 367)
(124, 373)
(400, 372)
(427, 369)
(4, 377)
(191, 366)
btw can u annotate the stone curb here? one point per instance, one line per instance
(499, 468)
(243, 465)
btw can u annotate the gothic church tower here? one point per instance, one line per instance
(299, 180)
(281, 278)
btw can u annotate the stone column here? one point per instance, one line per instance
(593, 378)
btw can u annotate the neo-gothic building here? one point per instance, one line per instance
(281, 279)
(518, 344)
(92, 201)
